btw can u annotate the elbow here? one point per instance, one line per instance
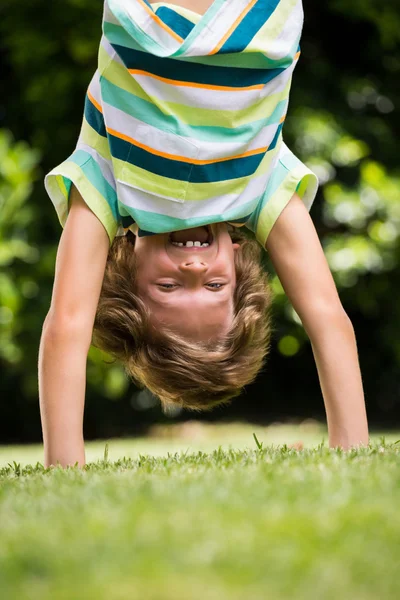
(66, 330)
(320, 319)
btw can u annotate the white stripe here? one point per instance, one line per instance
(139, 15)
(290, 32)
(164, 37)
(172, 143)
(279, 83)
(94, 87)
(190, 15)
(108, 16)
(196, 97)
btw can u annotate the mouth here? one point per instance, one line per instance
(196, 239)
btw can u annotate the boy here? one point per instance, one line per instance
(181, 145)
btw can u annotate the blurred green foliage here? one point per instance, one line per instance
(17, 172)
(342, 122)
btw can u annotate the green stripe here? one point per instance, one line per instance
(156, 184)
(116, 34)
(297, 179)
(161, 223)
(272, 28)
(132, 28)
(76, 174)
(94, 174)
(90, 137)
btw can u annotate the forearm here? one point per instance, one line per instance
(335, 351)
(62, 383)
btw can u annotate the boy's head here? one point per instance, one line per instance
(188, 288)
(191, 323)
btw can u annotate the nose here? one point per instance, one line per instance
(193, 266)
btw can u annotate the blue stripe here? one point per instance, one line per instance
(249, 26)
(178, 23)
(94, 117)
(150, 162)
(226, 170)
(276, 136)
(209, 173)
(195, 73)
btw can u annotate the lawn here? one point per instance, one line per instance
(201, 512)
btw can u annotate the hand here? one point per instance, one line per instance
(297, 445)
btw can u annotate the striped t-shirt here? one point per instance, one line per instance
(183, 119)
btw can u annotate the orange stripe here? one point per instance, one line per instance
(296, 55)
(232, 29)
(93, 101)
(159, 22)
(183, 158)
(207, 86)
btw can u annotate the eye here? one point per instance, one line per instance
(218, 285)
(167, 286)
(171, 286)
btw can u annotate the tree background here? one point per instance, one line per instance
(343, 122)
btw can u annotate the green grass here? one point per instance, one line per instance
(190, 436)
(262, 521)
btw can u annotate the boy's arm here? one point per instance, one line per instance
(67, 333)
(300, 263)
(62, 382)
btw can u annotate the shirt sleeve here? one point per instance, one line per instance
(290, 175)
(89, 168)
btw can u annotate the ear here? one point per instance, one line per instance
(236, 246)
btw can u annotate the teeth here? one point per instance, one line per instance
(190, 244)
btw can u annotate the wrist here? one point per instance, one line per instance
(65, 454)
(347, 440)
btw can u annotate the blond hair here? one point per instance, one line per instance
(193, 375)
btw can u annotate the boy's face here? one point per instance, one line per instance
(189, 288)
